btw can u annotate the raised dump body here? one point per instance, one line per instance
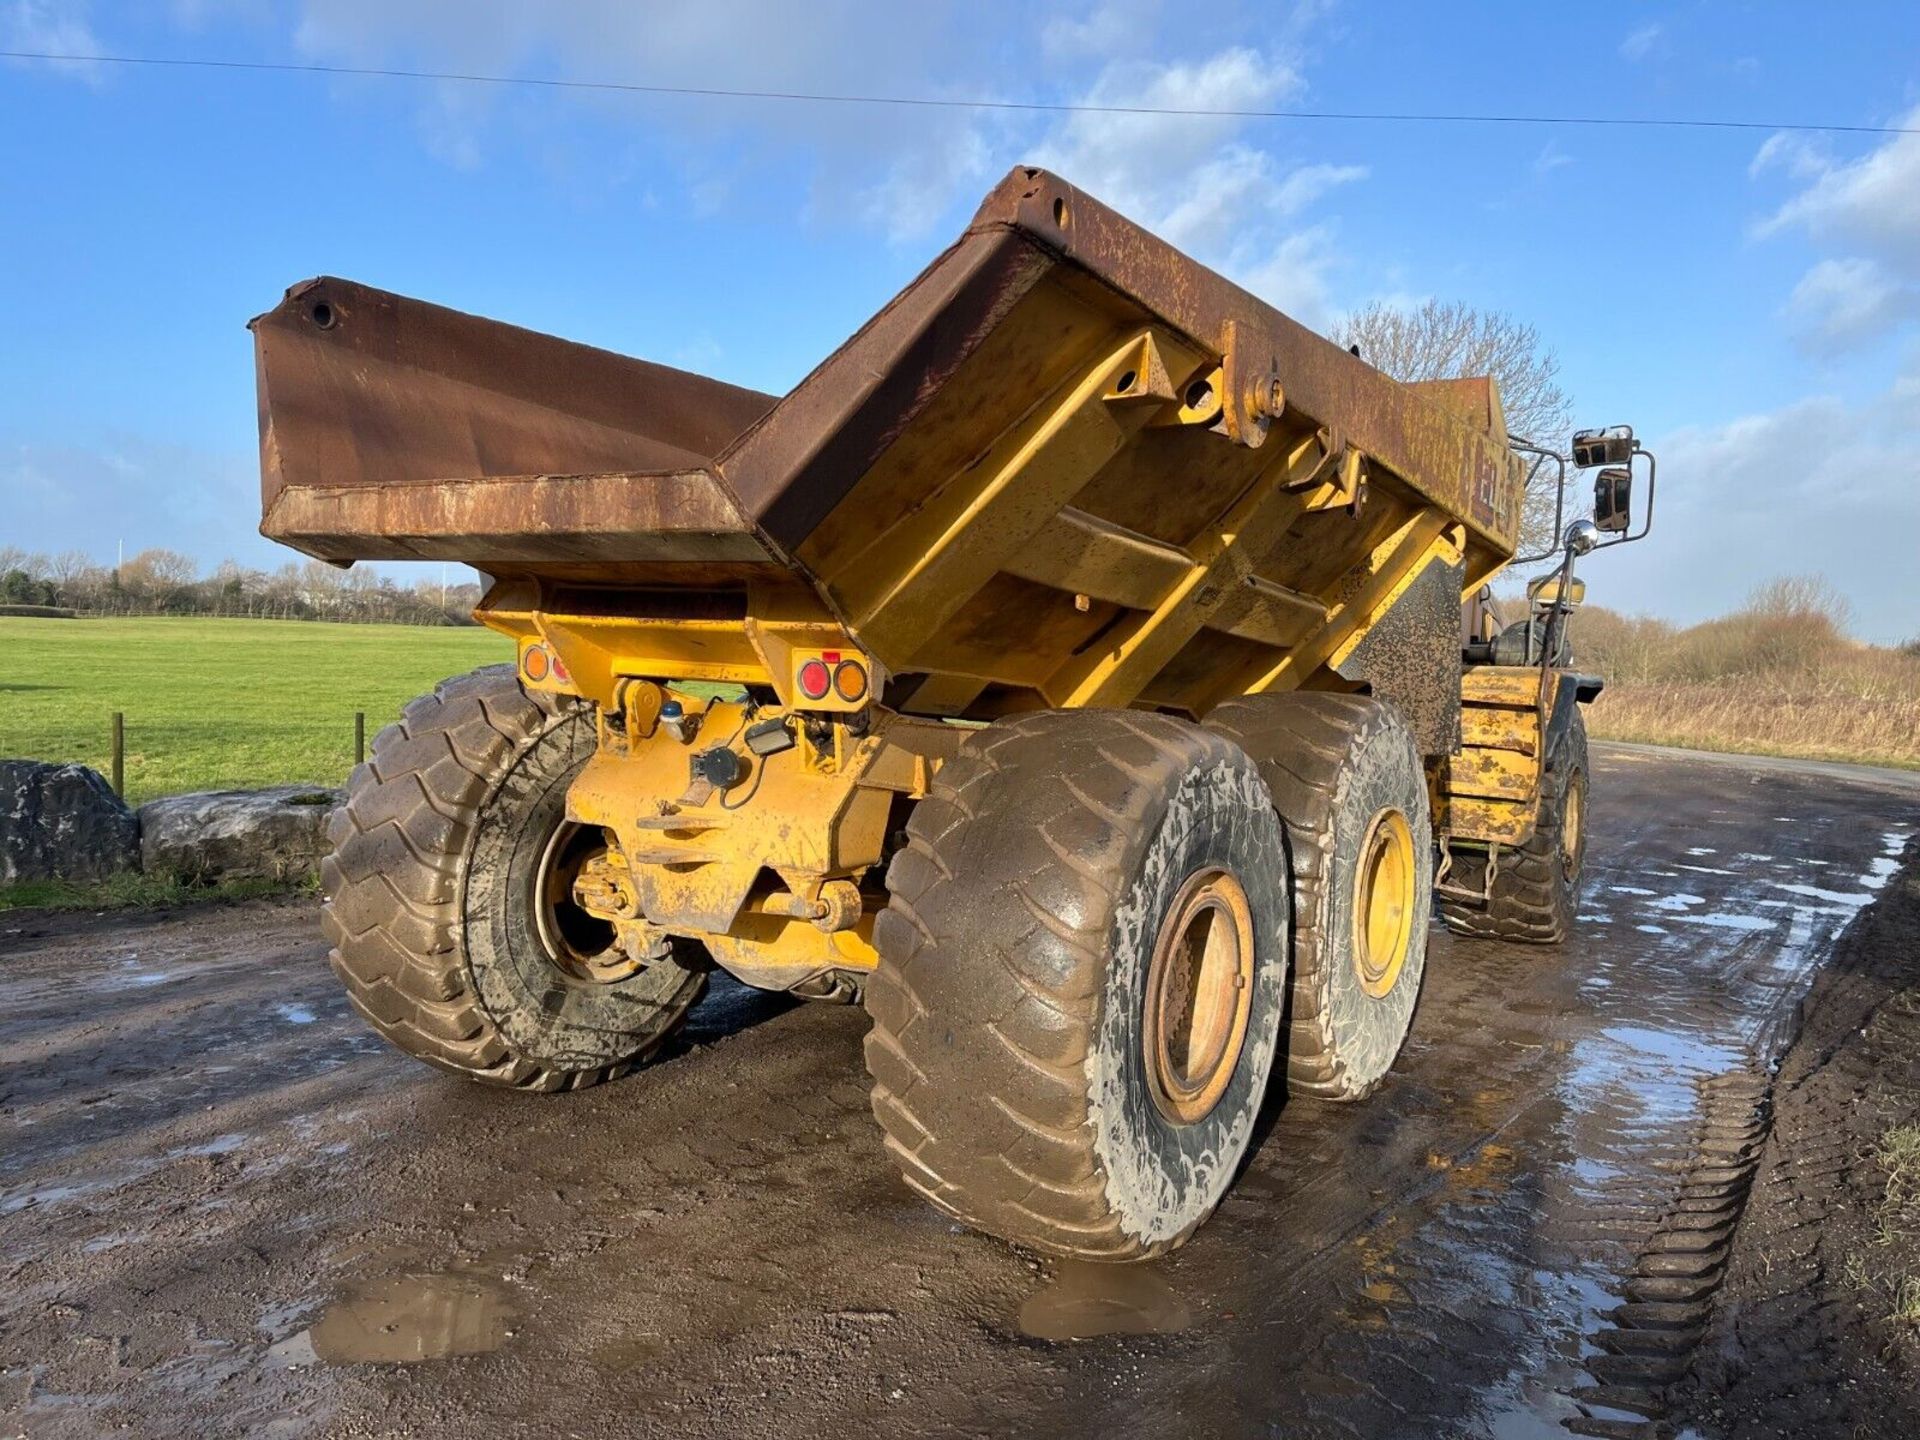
(1066, 465)
(1069, 486)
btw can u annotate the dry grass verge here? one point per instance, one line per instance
(1780, 676)
(1813, 721)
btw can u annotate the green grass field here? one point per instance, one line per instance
(213, 704)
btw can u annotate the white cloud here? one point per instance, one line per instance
(51, 27)
(1307, 184)
(1295, 275)
(1842, 303)
(921, 184)
(1796, 154)
(1872, 203)
(1142, 164)
(1644, 42)
(829, 46)
(1821, 484)
(1550, 158)
(1107, 29)
(1870, 207)
(1196, 181)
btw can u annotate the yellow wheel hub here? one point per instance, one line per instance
(1199, 993)
(580, 942)
(1573, 814)
(1383, 903)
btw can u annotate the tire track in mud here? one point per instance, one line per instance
(1648, 1347)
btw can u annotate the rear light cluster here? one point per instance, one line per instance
(832, 678)
(540, 666)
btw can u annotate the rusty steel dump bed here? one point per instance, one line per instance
(1066, 465)
(1065, 471)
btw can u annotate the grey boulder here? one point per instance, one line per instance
(62, 822)
(274, 834)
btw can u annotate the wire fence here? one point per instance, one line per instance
(144, 758)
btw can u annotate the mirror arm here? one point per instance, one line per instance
(1541, 456)
(1646, 525)
(1556, 624)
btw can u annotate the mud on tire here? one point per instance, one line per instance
(1333, 764)
(1536, 890)
(429, 903)
(1011, 1024)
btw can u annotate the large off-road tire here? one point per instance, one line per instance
(1082, 973)
(445, 929)
(1536, 889)
(1347, 780)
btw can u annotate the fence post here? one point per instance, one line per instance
(359, 737)
(120, 754)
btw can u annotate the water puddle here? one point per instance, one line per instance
(1085, 1300)
(1727, 920)
(132, 975)
(1852, 898)
(219, 1145)
(403, 1320)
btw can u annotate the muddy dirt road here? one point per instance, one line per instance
(225, 1209)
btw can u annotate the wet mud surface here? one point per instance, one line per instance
(226, 1209)
(1815, 1329)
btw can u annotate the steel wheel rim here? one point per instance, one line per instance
(577, 942)
(1573, 818)
(1383, 904)
(1199, 995)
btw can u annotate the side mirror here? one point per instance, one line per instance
(1613, 499)
(1614, 445)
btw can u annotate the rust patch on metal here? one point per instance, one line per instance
(360, 387)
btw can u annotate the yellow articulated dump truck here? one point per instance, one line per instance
(1071, 669)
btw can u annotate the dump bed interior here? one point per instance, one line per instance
(1066, 463)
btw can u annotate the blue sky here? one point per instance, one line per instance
(1749, 301)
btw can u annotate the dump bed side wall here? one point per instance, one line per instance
(800, 460)
(362, 391)
(988, 581)
(1463, 468)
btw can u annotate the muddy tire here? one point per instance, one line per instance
(1536, 890)
(1340, 767)
(434, 906)
(1060, 1053)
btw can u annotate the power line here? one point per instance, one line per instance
(935, 103)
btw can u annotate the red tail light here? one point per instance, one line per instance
(815, 680)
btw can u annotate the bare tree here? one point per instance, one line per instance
(1799, 596)
(1444, 340)
(68, 566)
(161, 578)
(157, 581)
